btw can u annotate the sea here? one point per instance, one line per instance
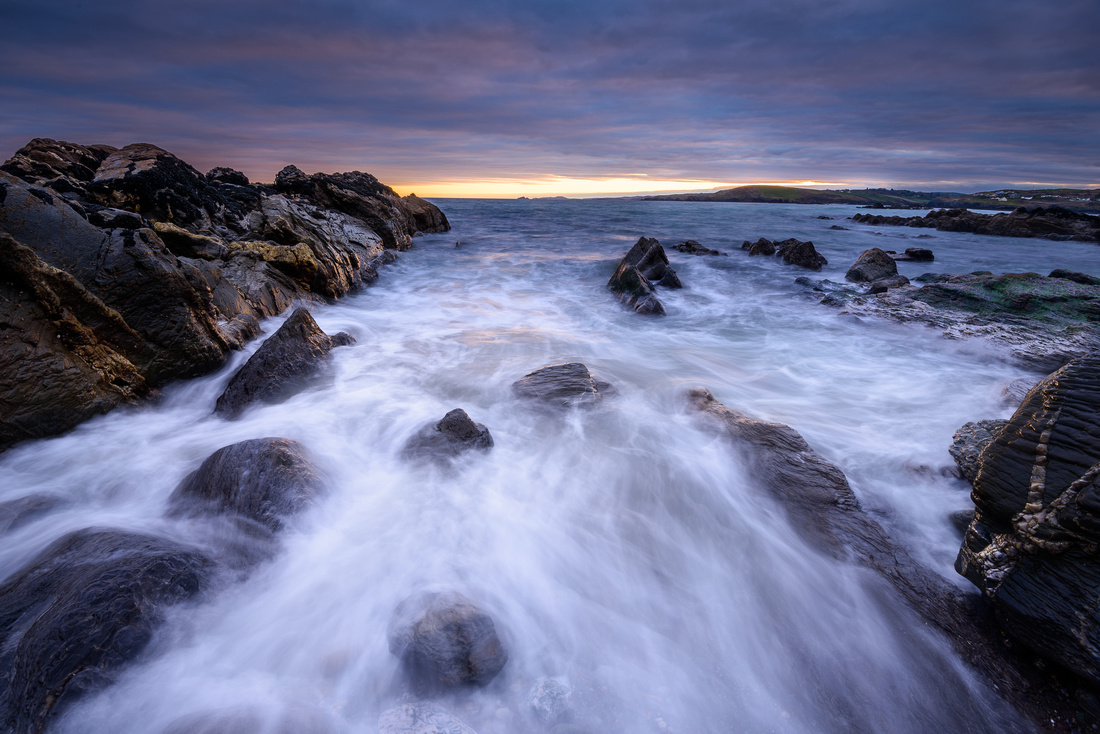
(624, 551)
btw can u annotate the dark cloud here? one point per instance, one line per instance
(843, 90)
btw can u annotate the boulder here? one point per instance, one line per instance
(635, 291)
(1082, 278)
(1032, 546)
(884, 284)
(561, 385)
(914, 254)
(968, 443)
(643, 266)
(263, 479)
(455, 434)
(802, 254)
(420, 717)
(760, 247)
(872, 265)
(56, 164)
(222, 174)
(444, 641)
(281, 366)
(78, 612)
(691, 247)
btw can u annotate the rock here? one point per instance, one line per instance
(56, 164)
(445, 641)
(915, 254)
(76, 614)
(263, 479)
(561, 385)
(802, 254)
(1013, 392)
(18, 512)
(454, 435)
(961, 520)
(839, 228)
(644, 265)
(281, 366)
(1081, 278)
(760, 247)
(420, 718)
(1032, 547)
(226, 175)
(872, 265)
(968, 443)
(1052, 222)
(885, 284)
(551, 701)
(691, 247)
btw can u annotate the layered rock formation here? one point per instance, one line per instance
(126, 268)
(1052, 223)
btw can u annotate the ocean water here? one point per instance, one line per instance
(623, 549)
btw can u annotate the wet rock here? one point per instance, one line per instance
(420, 718)
(968, 443)
(839, 228)
(691, 247)
(961, 520)
(1031, 548)
(643, 266)
(872, 265)
(18, 512)
(1013, 392)
(761, 247)
(83, 608)
(1053, 222)
(561, 385)
(226, 175)
(551, 701)
(885, 284)
(263, 479)
(915, 254)
(455, 434)
(444, 641)
(801, 254)
(1081, 278)
(281, 366)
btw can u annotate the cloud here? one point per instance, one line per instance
(692, 90)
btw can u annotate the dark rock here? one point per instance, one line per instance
(822, 216)
(1081, 278)
(760, 247)
(445, 641)
(420, 717)
(691, 247)
(961, 520)
(934, 277)
(802, 254)
(1032, 547)
(838, 227)
(57, 164)
(107, 218)
(885, 284)
(551, 701)
(915, 254)
(83, 608)
(1053, 222)
(18, 512)
(453, 435)
(872, 265)
(1015, 391)
(226, 175)
(281, 366)
(561, 385)
(968, 443)
(633, 279)
(263, 479)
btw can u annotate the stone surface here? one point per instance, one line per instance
(791, 251)
(563, 385)
(968, 443)
(761, 247)
(455, 434)
(643, 266)
(420, 718)
(691, 247)
(1052, 222)
(885, 284)
(444, 641)
(281, 366)
(1032, 547)
(914, 254)
(872, 265)
(18, 512)
(263, 479)
(551, 701)
(76, 614)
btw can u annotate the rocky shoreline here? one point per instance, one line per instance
(1052, 223)
(127, 268)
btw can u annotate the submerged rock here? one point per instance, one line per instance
(691, 247)
(914, 254)
(18, 512)
(643, 266)
(1032, 547)
(420, 718)
(281, 366)
(455, 434)
(551, 701)
(263, 479)
(445, 641)
(561, 385)
(76, 614)
(872, 265)
(254, 720)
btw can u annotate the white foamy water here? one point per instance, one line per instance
(622, 548)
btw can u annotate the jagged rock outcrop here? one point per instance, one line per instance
(1053, 223)
(79, 612)
(1032, 547)
(791, 251)
(561, 385)
(644, 266)
(263, 479)
(281, 366)
(872, 265)
(156, 271)
(445, 641)
(455, 434)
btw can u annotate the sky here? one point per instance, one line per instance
(535, 98)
